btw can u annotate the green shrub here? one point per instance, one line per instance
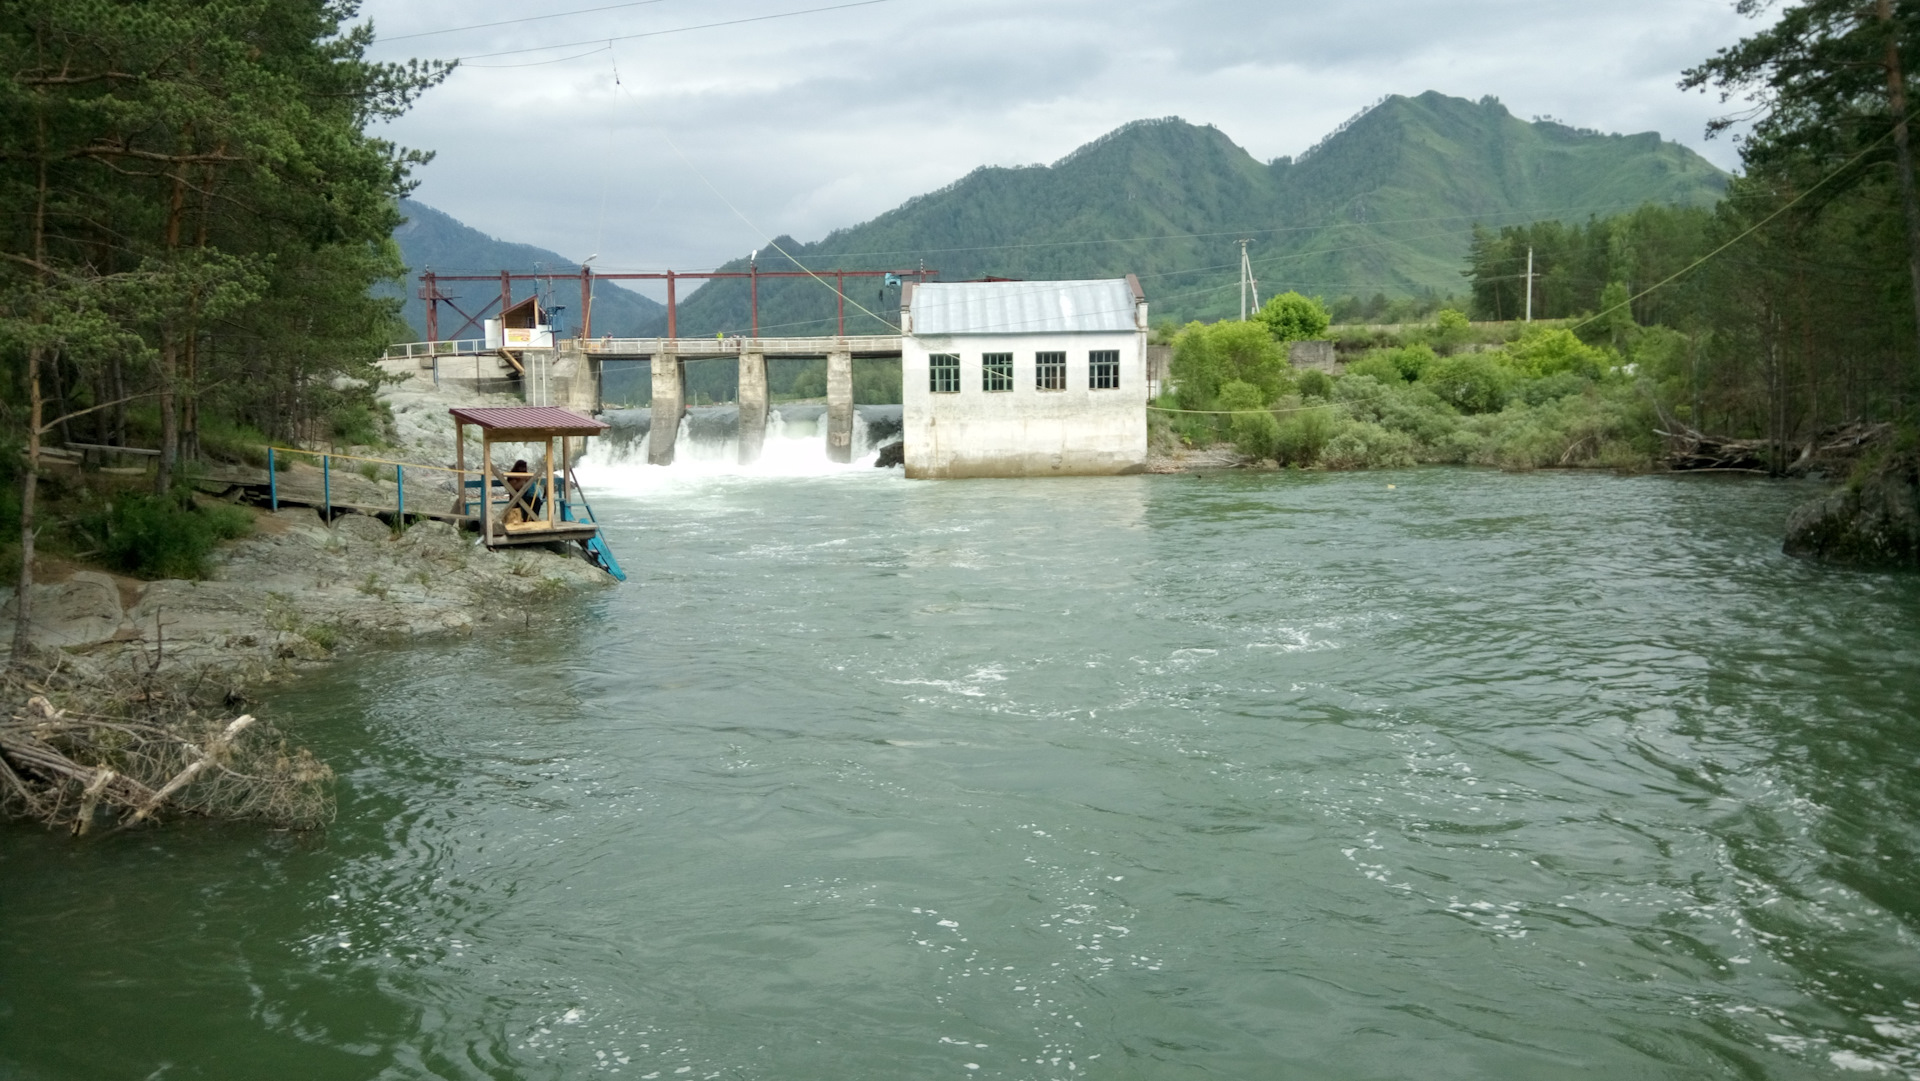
(1206, 358)
(1553, 387)
(162, 536)
(1471, 382)
(1610, 427)
(1302, 435)
(1376, 366)
(1401, 364)
(1451, 329)
(1252, 427)
(1314, 383)
(1415, 410)
(1412, 360)
(1545, 351)
(358, 424)
(1361, 445)
(1291, 317)
(227, 441)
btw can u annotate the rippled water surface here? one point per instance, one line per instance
(1437, 774)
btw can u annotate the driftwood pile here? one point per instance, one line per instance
(128, 749)
(1831, 450)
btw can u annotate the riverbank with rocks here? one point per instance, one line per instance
(295, 592)
(300, 588)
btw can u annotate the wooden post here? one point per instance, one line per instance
(486, 488)
(460, 461)
(550, 499)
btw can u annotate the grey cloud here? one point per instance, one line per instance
(814, 123)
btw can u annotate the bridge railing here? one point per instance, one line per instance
(813, 345)
(460, 347)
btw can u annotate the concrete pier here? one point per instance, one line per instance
(840, 406)
(669, 402)
(753, 406)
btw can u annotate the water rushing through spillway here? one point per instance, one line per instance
(1436, 774)
(707, 444)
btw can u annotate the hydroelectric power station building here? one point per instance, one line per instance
(1024, 378)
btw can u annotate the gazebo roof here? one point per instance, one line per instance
(528, 421)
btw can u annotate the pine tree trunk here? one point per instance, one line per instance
(169, 415)
(169, 340)
(30, 480)
(29, 491)
(1903, 152)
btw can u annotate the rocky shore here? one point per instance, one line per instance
(300, 588)
(297, 591)
(1873, 520)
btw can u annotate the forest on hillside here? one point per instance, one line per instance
(1773, 332)
(1385, 205)
(195, 212)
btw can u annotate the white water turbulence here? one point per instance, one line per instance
(707, 447)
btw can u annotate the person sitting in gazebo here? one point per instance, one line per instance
(518, 477)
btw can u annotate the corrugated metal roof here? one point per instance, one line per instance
(1022, 307)
(529, 417)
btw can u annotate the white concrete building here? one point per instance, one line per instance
(1024, 379)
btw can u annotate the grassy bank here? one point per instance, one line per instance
(1537, 397)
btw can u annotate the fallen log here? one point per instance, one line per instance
(1830, 450)
(185, 777)
(134, 746)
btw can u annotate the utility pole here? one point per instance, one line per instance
(1529, 283)
(1246, 281)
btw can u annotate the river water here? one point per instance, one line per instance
(1437, 774)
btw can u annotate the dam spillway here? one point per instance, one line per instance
(795, 438)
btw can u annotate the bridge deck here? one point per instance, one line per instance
(860, 345)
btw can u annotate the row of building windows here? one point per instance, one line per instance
(1049, 371)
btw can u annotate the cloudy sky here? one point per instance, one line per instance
(641, 133)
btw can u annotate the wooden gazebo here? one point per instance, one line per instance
(541, 505)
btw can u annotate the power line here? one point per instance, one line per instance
(510, 22)
(1749, 231)
(675, 30)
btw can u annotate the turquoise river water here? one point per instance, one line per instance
(1436, 774)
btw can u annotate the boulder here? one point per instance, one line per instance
(81, 611)
(892, 454)
(1874, 521)
(362, 528)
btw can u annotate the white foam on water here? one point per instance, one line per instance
(792, 449)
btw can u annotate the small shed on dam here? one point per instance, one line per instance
(1024, 378)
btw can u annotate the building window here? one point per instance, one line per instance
(996, 371)
(1103, 369)
(943, 370)
(1050, 371)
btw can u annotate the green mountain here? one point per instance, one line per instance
(433, 240)
(1386, 203)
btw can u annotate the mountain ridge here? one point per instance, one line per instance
(434, 239)
(1384, 203)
